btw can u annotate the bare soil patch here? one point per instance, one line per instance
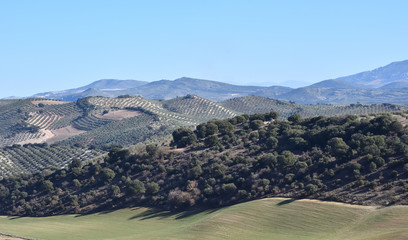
(47, 134)
(47, 102)
(119, 114)
(52, 136)
(64, 133)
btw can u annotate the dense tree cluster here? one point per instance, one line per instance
(227, 161)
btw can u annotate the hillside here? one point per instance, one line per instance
(382, 85)
(323, 95)
(88, 120)
(103, 87)
(393, 72)
(271, 218)
(162, 89)
(338, 84)
(100, 123)
(352, 159)
(254, 104)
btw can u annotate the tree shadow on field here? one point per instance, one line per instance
(287, 201)
(176, 214)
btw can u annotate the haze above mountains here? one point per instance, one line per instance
(388, 84)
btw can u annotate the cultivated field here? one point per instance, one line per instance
(273, 218)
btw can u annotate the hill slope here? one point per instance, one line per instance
(381, 85)
(353, 159)
(103, 87)
(102, 123)
(273, 218)
(88, 120)
(393, 72)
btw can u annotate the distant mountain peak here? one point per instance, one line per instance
(335, 83)
(393, 72)
(387, 84)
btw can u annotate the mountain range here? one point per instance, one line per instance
(388, 84)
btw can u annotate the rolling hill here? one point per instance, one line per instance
(93, 125)
(203, 184)
(103, 87)
(270, 218)
(351, 159)
(393, 72)
(382, 85)
(87, 121)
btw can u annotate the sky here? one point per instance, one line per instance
(56, 45)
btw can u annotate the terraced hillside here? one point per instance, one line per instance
(271, 218)
(199, 108)
(98, 121)
(34, 158)
(32, 120)
(128, 120)
(123, 121)
(255, 104)
(41, 120)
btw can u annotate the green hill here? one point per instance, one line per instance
(271, 218)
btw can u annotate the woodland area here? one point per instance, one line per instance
(355, 159)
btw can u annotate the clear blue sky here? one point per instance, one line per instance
(55, 45)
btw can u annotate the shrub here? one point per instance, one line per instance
(76, 183)
(295, 118)
(48, 186)
(379, 161)
(286, 159)
(76, 163)
(311, 188)
(373, 167)
(271, 142)
(108, 175)
(211, 141)
(195, 172)
(115, 191)
(180, 199)
(152, 188)
(228, 188)
(268, 160)
(183, 137)
(338, 147)
(211, 129)
(256, 124)
(135, 187)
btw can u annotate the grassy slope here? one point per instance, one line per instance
(274, 218)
